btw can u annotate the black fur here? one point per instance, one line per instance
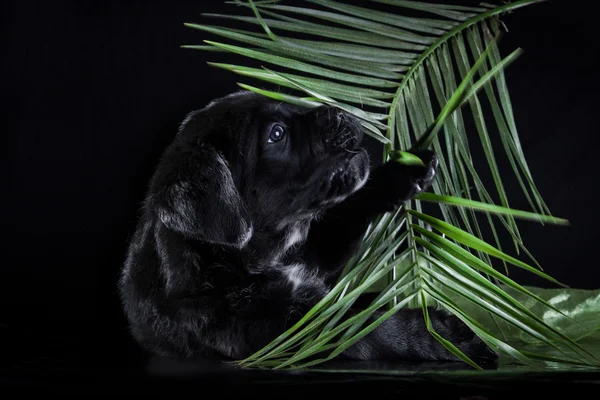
(240, 237)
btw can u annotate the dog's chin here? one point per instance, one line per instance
(346, 176)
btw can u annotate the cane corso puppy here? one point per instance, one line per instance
(251, 214)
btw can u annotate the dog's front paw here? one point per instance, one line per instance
(422, 177)
(396, 183)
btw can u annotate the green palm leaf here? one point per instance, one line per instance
(414, 82)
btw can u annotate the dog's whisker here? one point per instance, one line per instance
(347, 140)
(340, 133)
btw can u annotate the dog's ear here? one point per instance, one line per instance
(193, 193)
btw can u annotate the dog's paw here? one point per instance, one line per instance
(395, 183)
(422, 177)
(460, 335)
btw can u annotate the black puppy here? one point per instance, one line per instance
(251, 214)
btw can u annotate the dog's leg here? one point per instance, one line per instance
(233, 321)
(253, 320)
(335, 237)
(404, 336)
(252, 313)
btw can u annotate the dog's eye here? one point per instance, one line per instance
(277, 133)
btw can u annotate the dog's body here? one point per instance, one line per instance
(252, 213)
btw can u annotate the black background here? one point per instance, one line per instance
(92, 91)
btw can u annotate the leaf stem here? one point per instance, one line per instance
(480, 17)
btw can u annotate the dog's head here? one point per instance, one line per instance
(247, 162)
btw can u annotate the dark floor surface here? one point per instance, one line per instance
(58, 363)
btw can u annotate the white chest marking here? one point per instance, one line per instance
(296, 235)
(296, 274)
(301, 277)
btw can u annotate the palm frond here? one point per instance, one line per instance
(410, 76)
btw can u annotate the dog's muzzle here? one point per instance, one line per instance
(341, 131)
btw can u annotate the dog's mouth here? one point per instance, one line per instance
(346, 176)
